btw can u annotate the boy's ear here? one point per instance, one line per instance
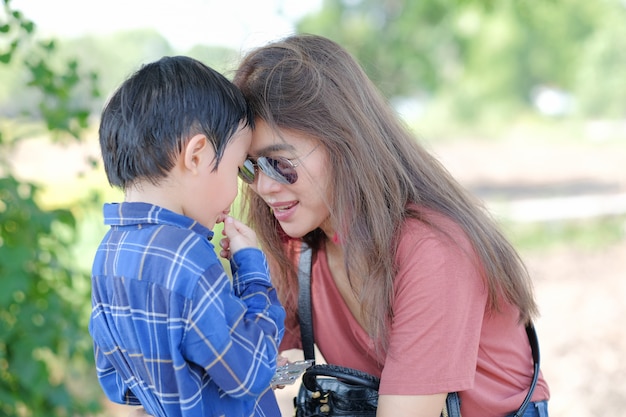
(194, 151)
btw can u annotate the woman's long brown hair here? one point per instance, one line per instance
(310, 84)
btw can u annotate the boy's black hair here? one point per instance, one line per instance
(149, 118)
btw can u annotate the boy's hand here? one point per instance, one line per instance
(238, 236)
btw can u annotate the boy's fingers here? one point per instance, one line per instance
(228, 225)
(232, 225)
(239, 235)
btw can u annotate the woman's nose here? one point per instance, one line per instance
(264, 184)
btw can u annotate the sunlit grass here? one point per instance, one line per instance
(587, 234)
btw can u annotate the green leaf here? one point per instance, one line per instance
(29, 27)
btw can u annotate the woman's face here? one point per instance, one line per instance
(302, 206)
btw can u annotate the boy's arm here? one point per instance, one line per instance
(251, 283)
(234, 330)
(251, 278)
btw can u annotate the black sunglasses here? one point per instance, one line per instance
(278, 168)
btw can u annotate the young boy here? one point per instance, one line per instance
(171, 331)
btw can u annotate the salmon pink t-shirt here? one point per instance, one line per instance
(442, 338)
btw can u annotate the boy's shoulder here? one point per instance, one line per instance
(145, 215)
(162, 236)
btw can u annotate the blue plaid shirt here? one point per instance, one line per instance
(171, 331)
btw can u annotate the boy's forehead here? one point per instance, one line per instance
(243, 134)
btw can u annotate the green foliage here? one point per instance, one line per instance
(406, 47)
(40, 329)
(113, 57)
(600, 81)
(42, 318)
(15, 25)
(484, 59)
(585, 234)
(55, 83)
(117, 56)
(57, 107)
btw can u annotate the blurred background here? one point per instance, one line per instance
(524, 101)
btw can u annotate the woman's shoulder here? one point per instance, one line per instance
(430, 228)
(433, 244)
(429, 222)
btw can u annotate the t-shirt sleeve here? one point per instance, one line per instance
(438, 309)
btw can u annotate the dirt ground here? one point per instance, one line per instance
(581, 293)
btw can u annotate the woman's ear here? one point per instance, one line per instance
(195, 151)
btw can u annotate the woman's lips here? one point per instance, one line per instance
(283, 211)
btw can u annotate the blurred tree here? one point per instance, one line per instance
(116, 56)
(406, 47)
(120, 54)
(224, 60)
(113, 56)
(42, 302)
(475, 55)
(600, 83)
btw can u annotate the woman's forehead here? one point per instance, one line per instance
(267, 139)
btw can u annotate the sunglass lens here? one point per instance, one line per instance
(246, 172)
(286, 172)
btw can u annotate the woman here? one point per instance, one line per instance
(411, 280)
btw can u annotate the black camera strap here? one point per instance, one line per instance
(304, 303)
